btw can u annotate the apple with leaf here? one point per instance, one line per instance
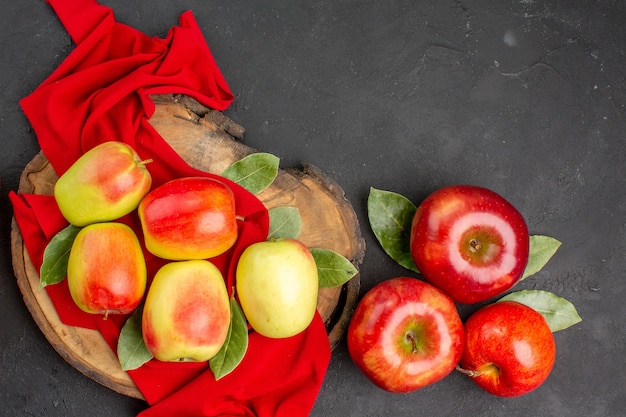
(276, 281)
(474, 245)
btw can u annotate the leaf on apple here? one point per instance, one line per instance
(234, 349)
(333, 269)
(254, 172)
(285, 222)
(390, 216)
(558, 312)
(131, 349)
(542, 248)
(55, 256)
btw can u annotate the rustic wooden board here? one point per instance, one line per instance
(207, 140)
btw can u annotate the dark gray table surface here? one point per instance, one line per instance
(524, 97)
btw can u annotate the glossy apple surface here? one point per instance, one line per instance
(405, 334)
(277, 285)
(104, 184)
(470, 242)
(187, 312)
(509, 349)
(189, 218)
(106, 270)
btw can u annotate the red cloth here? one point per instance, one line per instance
(99, 93)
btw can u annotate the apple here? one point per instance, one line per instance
(189, 218)
(104, 184)
(470, 242)
(277, 285)
(187, 312)
(509, 349)
(405, 334)
(106, 270)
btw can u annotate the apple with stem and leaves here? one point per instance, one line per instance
(405, 334)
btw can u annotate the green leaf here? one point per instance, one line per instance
(542, 248)
(390, 216)
(333, 269)
(284, 222)
(254, 172)
(55, 256)
(131, 349)
(234, 349)
(558, 312)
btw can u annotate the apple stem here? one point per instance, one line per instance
(240, 218)
(468, 372)
(145, 162)
(106, 315)
(412, 338)
(475, 245)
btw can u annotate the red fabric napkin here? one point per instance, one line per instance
(101, 92)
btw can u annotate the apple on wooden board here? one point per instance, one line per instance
(187, 312)
(104, 184)
(189, 218)
(405, 334)
(106, 270)
(509, 349)
(277, 285)
(470, 242)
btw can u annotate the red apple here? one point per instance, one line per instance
(189, 218)
(470, 242)
(509, 349)
(405, 334)
(106, 270)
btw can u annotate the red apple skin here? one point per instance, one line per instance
(509, 349)
(189, 218)
(386, 320)
(470, 242)
(106, 271)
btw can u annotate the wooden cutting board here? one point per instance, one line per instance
(210, 141)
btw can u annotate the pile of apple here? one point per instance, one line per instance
(186, 309)
(470, 245)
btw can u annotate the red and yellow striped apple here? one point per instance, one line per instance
(187, 312)
(106, 270)
(189, 218)
(104, 184)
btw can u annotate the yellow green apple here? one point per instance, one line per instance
(187, 312)
(104, 184)
(189, 218)
(277, 285)
(106, 271)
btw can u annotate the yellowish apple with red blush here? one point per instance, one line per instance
(277, 285)
(187, 312)
(104, 184)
